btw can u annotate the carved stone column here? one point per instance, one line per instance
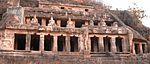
(101, 44)
(55, 43)
(28, 41)
(89, 44)
(130, 36)
(124, 44)
(141, 49)
(81, 43)
(113, 44)
(99, 24)
(91, 22)
(146, 48)
(67, 43)
(41, 42)
(133, 48)
(43, 22)
(86, 40)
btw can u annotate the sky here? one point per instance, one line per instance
(124, 5)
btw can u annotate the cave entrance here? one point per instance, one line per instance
(35, 39)
(39, 20)
(95, 23)
(20, 42)
(48, 42)
(109, 23)
(137, 49)
(61, 43)
(94, 44)
(74, 43)
(143, 47)
(47, 21)
(79, 23)
(119, 44)
(63, 23)
(107, 45)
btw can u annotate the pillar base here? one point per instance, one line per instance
(87, 54)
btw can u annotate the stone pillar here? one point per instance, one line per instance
(99, 24)
(81, 44)
(43, 22)
(124, 44)
(86, 40)
(86, 43)
(67, 43)
(101, 44)
(113, 44)
(89, 44)
(141, 49)
(130, 35)
(41, 42)
(55, 43)
(58, 23)
(146, 48)
(133, 48)
(28, 42)
(74, 24)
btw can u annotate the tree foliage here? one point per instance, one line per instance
(137, 12)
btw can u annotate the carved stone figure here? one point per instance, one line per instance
(51, 22)
(103, 23)
(108, 30)
(115, 24)
(119, 30)
(91, 23)
(70, 23)
(34, 19)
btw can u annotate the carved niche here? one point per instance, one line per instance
(34, 21)
(115, 24)
(103, 23)
(51, 22)
(91, 22)
(70, 23)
